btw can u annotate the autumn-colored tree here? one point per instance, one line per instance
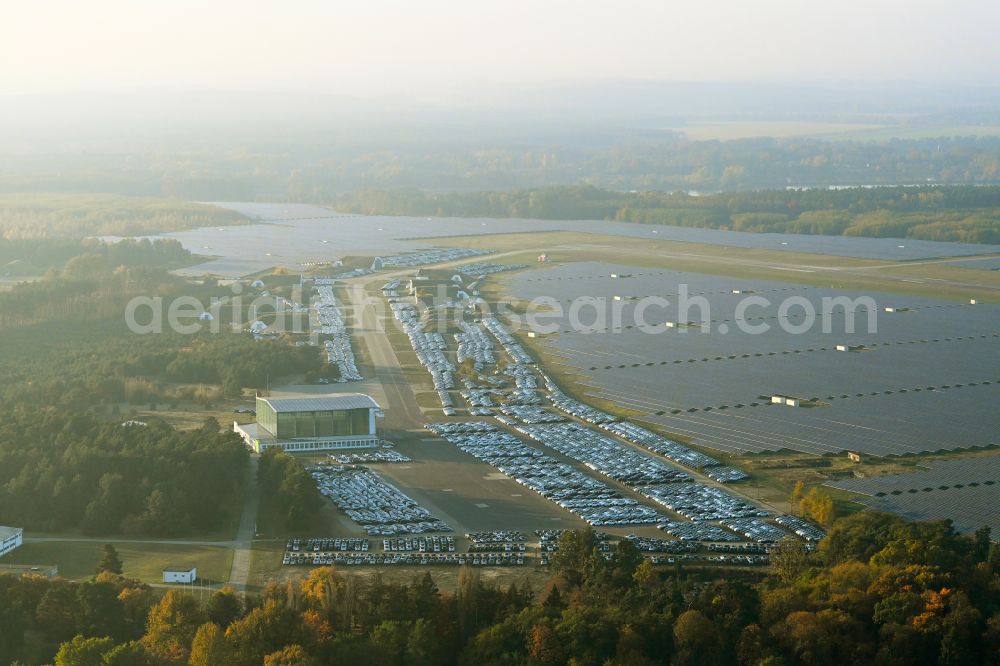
(208, 646)
(645, 576)
(172, 625)
(290, 655)
(316, 627)
(752, 647)
(818, 505)
(545, 647)
(136, 600)
(818, 638)
(789, 559)
(81, 651)
(129, 654)
(263, 630)
(795, 498)
(695, 638)
(630, 650)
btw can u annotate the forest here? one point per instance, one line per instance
(73, 372)
(33, 257)
(877, 590)
(64, 339)
(962, 213)
(136, 478)
(288, 492)
(320, 167)
(50, 215)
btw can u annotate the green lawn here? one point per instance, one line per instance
(143, 561)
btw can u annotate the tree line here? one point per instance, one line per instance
(65, 215)
(617, 160)
(877, 590)
(64, 340)
(964, 213)
(63, 470)
(33, 257)
(288, 492)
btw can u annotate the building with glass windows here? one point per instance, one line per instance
(10, 538)
(312, 423)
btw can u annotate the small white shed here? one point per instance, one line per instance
(180, 575)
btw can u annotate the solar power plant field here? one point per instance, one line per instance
(927, 379)
(295, 233)
(966, 490)
(985, 264)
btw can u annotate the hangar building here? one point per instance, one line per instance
(313, 423)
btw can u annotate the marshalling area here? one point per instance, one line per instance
(923, 383)
(473, 481)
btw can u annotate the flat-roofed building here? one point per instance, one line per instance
(180, 575)
(313, 423)
(10, 538)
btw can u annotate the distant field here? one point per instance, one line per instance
(729, 131)
(930, 132)
(734, 130)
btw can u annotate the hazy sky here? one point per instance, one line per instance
(374, 47)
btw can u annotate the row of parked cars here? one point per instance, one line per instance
(497, 547)
(801, 527)
(484, 268)
(653, 545)
(434, 255)
(701, 502)
(328, 320)
(404, 559)
(335, 545)
(726, 474)
(564, 403)
(658, 444)
(365, 456)
(378, 506)
(460, 427)
(523, 375)
(696, 531)
(755, 529)
(592, 500)
(477, 397)
(530, 414)
(604, 454)
(743, 548)
(423, 544)
(496, 536)
(555, 535)
(476, 345)
(507, 341)
(430, 348)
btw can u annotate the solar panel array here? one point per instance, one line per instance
(966, 491)
(925, 381)
(935, 475)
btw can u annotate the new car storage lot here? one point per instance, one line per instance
(453, 486)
